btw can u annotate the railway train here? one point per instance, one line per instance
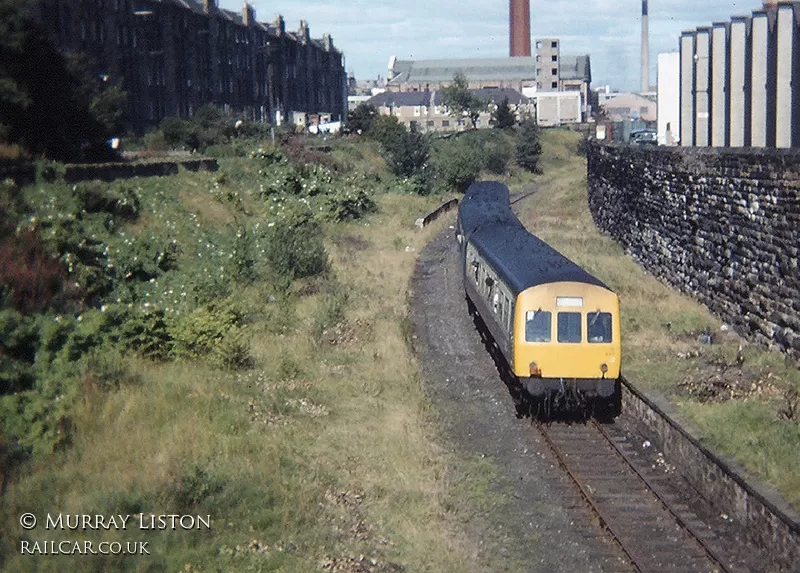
(557, 326)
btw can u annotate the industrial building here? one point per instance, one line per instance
(533, 76)
(739, 80)
(174, 56)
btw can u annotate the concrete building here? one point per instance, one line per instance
(547, 64)
(668, 98)
(174, 56)
(628, 106)
(425, 111)
(739, 84)
(557, 108)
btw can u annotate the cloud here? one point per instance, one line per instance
(369, 31)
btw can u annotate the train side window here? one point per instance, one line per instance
(598, 327)
(569, 327)
(537, 326)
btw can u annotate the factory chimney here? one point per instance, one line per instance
(520, 28)
(645, 50)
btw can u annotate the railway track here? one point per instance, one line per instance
(698, 516)
(654, 532)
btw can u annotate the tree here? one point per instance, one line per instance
(408, 153)
(385, 129)
(461, 102)
(43, 103)
(503, 117)
(360, 120)
(529, 149)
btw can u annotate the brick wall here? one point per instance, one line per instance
(720, 224)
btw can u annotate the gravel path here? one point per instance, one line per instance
(542, 524)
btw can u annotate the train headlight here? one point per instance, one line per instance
(535, 370)
(604, 368)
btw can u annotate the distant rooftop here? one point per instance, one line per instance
(476, 69)
(575, 68)
(430, 98)
(483, 69)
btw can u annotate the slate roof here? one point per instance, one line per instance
(575, 68)
(522, 260)
(431, 98)
(476, 69)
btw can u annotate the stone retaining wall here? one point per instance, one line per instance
(720, 224)
(767, 520)
(26, 174)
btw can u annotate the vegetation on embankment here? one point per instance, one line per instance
(232, 344)
(745, 404)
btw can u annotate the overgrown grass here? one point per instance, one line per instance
(739, 409)
(319, 450)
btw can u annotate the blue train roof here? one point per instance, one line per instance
(522, 260)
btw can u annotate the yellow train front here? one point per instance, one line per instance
(556, 325)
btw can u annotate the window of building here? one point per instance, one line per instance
(598, 327)
(538, 58)
(538, 45)
(569, 327)
(554, 85)
(554, 44)
(430, 123)
(445, 123)
(553, 58)
(537, 326)
(554, 71)
(460, 122)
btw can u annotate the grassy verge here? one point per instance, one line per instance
(743, 407)
(313, 452)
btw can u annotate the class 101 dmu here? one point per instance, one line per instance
(556, 325)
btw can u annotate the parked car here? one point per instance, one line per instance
(644, 137)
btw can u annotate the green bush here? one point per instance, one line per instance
(96, 197)
(214, 332)
(348, 204)
(294, 243)
(457, 164)
(528, 148)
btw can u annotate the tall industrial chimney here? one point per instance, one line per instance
(645, 50)
(520, 28)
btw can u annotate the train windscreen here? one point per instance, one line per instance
(598, 327)
(537, 326)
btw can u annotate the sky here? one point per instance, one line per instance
(368, 32)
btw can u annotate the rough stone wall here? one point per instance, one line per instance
(720, 224)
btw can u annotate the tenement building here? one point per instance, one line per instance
(174, 56)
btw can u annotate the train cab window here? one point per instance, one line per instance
(569, 327)
(475, 266)
(598, 327)
(537, 326)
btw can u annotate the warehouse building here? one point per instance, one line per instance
(546, 71)
(174, 56)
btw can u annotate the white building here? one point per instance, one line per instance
(668, 98)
